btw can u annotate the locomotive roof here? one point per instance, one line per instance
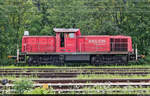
(114, 36)
(65, 30)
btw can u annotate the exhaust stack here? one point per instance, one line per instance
(26, 33)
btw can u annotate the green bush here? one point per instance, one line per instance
(147, 59)
(40, 91)
(22, 85)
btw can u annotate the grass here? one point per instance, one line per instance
(13, 77)
(109, 76)
(82, 66)
(91, 76)
(116, 90)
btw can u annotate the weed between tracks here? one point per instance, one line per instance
(15, 77)
(112, 76)
(116, 90)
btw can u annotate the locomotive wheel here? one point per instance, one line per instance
(33, 61)
(55, 60)
(58, 61)
(95, 61)
(121, 60)
(29, 61)
(109, 60)
(124, 60)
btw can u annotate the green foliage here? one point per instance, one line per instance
(40, 91)
(22, 85)
(93, 17)
(147, 59)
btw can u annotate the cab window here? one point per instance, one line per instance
(71, 35)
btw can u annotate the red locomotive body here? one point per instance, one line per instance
(94, 44)
(70, 46)
(38, 44)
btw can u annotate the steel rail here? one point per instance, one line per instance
(75, 68)
(76, 80)
(67, 74)
(102, 91)
(70, 80)
(84, 84)
(71, 70)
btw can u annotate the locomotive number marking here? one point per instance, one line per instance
(102, 42)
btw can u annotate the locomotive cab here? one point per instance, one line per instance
(66, 40)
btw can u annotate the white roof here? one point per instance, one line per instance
(65, 30)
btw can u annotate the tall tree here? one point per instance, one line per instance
(16, 15)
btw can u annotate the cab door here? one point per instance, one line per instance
(70, 42)
(65, 42)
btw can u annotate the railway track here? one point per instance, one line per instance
(92, 82)
(64, 80)
(75, 80)
(70, 72)
(75, 69)
(95, 91)
(66, 74)
(78, 85)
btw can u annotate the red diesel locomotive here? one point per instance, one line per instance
(70, 46)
